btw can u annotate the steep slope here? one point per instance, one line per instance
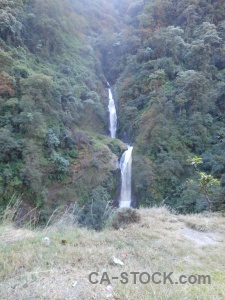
(165, 61)
(53, 103)
(168, 64)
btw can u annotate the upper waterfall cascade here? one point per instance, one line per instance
(126, 159)
(112, 115)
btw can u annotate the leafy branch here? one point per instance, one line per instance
(206, 181)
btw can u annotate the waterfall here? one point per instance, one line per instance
(126, 172)
(112, 115)
(126, 159)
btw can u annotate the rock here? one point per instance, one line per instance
(46, 241)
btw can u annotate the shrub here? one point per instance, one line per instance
(124, 216)
(71, 153)
(10, 148)
(60, 162)
(6, 87)
(96, 213)
(52, 140)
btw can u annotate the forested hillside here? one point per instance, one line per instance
(53, 104)
(168, 65)
(165, 61)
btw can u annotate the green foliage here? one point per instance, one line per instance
(10, 181)
(10, 148)
(143, 179)
(97, 211)
(6, 60)
(194, 161)
(174, 79)
(206, 181)
(52, 140)
(166, 62)
(32, 124)
(37, 91)
(61, 164)
(50, 89)
(71, 153)
(10, 27)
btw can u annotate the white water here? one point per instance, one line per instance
(126, 173)
(126, 159)
(112, 115)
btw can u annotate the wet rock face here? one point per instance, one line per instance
(114, 162)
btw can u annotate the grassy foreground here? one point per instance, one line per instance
(160, 242)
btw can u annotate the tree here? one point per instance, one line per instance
(6, 87)
(10, 148)
(157, 79)
(134, 9)
(199, 53)
(6, 60)
(61, 164)
(208, 33)
(10, 27)
(52, 140)
(206, 182)
(98, 210)
(168, 42)
(192, 84)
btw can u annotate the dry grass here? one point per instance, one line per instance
(31, 270)
(11, 235)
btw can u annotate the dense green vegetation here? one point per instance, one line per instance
(53, 103)
(170, 86)
(166, 61)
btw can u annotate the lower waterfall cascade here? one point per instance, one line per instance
(126, 175)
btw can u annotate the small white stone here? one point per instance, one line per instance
(74, 283)
(109, 288)
(118, 261)
(46, 241)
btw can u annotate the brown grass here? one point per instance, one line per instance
(31, 270)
